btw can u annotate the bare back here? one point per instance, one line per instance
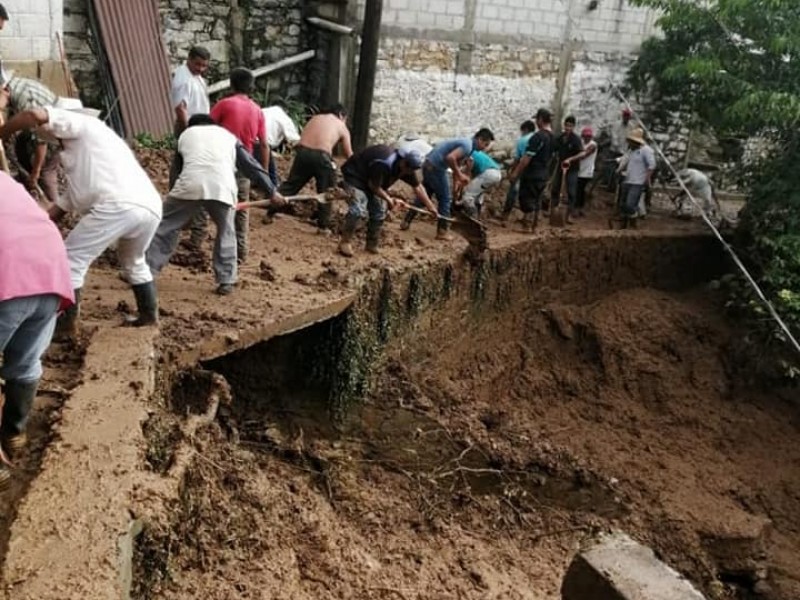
(323, 132)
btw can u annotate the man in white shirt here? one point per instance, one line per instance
(208, 157)
(701, 188)
(280, 130)
(117, 202)
(189, 93)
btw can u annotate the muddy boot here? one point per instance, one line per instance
(443, 231)
(19, 396)
(146, 304)
(346, 239)
(324, 214)
(407, 220)
(374, 236)
(68, 323)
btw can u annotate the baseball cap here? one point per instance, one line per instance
(412, 157)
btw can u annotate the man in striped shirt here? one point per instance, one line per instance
(35, 156)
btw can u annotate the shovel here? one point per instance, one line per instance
(321, 198)
(558, 215)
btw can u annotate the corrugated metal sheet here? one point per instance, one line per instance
(130, 32)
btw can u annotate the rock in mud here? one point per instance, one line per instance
(617, 567)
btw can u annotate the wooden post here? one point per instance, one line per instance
(367, 65)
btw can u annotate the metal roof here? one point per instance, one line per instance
(130, 31)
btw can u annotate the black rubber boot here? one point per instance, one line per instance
(146, 304)
(324, 214)
(407, 220)
(443, 231)
(374, 236)
(348, 231)
(19, 398)
(68, 322)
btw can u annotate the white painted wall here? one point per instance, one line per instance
(613, 26)
(30, 33)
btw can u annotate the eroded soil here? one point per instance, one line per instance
(476, 470)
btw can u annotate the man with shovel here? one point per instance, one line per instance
(368, 175)
(117, 201)
(314, 158)
(208, 159)
(448, 154)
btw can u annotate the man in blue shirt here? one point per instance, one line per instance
(448, 154)
(526, 130)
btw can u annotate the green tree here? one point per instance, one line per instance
(733, 66)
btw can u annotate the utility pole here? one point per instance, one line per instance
(367, 65)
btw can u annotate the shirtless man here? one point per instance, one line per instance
(314, 156)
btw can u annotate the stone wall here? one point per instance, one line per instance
(30, 33)
(447, 67)
(236, 32)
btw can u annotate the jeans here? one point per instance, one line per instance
(511, 197)
(179, 212)
(583, 183)
(365, 205)
(26, 328)
(631, 197)
(530, 194)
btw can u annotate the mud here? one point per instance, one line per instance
(419, 426)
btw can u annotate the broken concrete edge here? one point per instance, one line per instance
(126, 546)
(617, 567)
(85, 547)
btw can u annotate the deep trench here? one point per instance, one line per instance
(347, 383)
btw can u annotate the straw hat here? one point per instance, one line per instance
(636, 136)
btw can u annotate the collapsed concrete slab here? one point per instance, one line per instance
(620, 568)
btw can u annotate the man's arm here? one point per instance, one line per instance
(39, 156)
(28, 119)
(521, 165)
(182, 114)
(255, 172)
(347, 146)
(588, 151)
(422, 194)
(56, 213)
(452, 161)
(262, 136)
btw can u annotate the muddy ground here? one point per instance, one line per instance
(473, 470)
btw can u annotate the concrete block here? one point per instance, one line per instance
(619, 568)
(438, 7)
(17, 48)
(455, 7)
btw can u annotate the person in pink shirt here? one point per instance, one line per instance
(34, 286)
(244, 119)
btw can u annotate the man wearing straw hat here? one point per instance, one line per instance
(639, 166)
(117, 201)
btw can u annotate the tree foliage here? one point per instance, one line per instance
(733, 66)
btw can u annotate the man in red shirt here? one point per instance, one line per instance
(244, 119)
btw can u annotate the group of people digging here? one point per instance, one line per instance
(222, 151)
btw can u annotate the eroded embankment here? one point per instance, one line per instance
(461, 429)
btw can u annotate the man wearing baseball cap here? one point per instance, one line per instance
(368, 175)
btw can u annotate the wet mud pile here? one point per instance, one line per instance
(460, 432)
